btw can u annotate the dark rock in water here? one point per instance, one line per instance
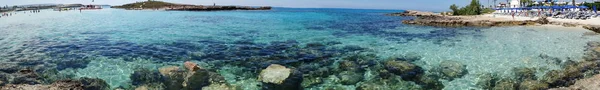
(145, 76)
(430, 82)
(591, 83)
(3, 79)
(532, 85)
(350, 78)
(196, 80)
(568, 76)
(411, 57)
(406, 70)
(357, 61)
(311, 81)
(452, 69)
(349, 66)
(542, 20)
(594, 28)
(25, 76)
(505, 84)
(94, 84)
(79, 84)
(10, 67)
(52, 75)
(277, 77)
(486, 81)
(592, 51)
(174, 80)
(523, 74)
(74, 63)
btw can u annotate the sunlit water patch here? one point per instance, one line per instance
(112, 44)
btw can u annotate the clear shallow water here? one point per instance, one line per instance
(110, 44)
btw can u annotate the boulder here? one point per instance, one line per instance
(168, 70)
(542, 20)
(346, 65)
(406, 70)
(486, 81)
(452, 69)
(94, 84)
(145, 76)
(278, 77)
(220, 87)
(191, 66)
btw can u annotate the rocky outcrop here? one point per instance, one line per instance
(80, 84)
(454, 22)
(595, 28)
(591, 83)
(413, 13)
(278, 77)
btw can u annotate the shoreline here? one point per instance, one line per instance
(491, 20)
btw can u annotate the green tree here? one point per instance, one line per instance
(454, 9)
(526, 2)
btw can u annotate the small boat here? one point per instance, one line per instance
(90, 7)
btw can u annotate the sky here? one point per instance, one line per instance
(427, 5)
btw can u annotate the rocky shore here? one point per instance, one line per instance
(433, 19)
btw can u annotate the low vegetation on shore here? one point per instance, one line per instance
(147, 4)
(472, 9)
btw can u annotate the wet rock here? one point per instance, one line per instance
(452, 69)
(592, 51)
(60, 85)
(406, 70)
(10, 67)
(430, 82)
(410, 57)
(568, 76)
(532, 85)
(505, 84)
(542, 20)
(167, 70)
(350, 78)
(594, 28)
(278, 77)
(486, 81)
(591, 83)
(311, 81)
(349, 66)
(145, 76)
(25, 76)
(195, 80)
(94, 84)
(568, 25)
(191, 66)
(523, 74)
(412, 13)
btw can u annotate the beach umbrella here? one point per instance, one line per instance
(595, 9)
(583, 7)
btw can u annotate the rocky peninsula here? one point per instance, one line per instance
(436, 19)
(159, 5)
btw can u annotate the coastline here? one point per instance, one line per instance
(490, 20)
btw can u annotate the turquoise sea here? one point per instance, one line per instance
(112, 44)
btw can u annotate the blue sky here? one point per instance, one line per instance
(429, 5)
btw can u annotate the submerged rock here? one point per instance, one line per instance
(349, 66)
(278, 77)
(532, 85)
(406, 70)
(410, 57)
(145, 76)
(350, 78)
(452, 69)
(523, 74)
(310, 81)
(505, 84)
(94, 84)
(486, 81)
(25, 76)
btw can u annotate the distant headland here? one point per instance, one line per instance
(160, 5)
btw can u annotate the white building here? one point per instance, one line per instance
(514, 3)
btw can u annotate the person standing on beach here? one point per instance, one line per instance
(513, 15)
